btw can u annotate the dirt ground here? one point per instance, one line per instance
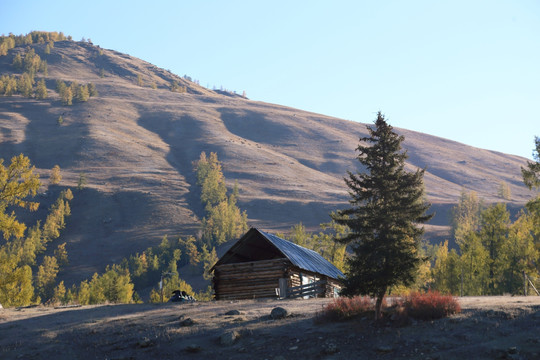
(487, 328)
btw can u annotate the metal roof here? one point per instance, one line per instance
(303, 258)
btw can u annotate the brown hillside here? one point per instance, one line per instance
(137, 145)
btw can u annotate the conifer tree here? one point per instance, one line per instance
(15, 281)
(46, 276)
(446, 270)
(25, 85)
(387, 206)
(17, 181)
(504, 191)
(59, 293)
(474, 265)
(17, 62)
(56, 176)
(83, 295)
(67, 96)
(531, 174)
(466, 216)
(92, 91)
(82, 93)
(81, 184)
(61, 255)
(210, 178)
(495, 222)
(41, 90)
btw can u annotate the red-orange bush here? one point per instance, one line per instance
(431, 305)
(343, 308)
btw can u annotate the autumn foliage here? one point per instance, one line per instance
(344, 308)
(420, 306)
(430, 306)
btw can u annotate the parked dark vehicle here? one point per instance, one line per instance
(181, 296)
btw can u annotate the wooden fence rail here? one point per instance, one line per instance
(312, 289)
(526, 279)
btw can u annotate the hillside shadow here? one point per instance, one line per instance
(257, 127)
(76, 316)
(45, 142)
(106, 227)
(185, 136)
(280, 212)
(261, 128)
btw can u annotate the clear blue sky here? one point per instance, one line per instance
(467, 70)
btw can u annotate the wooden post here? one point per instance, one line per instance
(534, 287)
(161, 287)
(524, 284)
(161, 283)
(283, 288)
(461, 291)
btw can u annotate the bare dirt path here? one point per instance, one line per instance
(488, 328)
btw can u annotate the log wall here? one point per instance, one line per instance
(249, 280)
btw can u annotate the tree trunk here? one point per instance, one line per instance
(378, 305)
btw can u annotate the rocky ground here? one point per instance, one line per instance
(487, 328)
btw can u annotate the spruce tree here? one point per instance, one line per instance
(531, 174)
(41, 90)
(387, 204)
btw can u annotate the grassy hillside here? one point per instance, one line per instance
(137, 140)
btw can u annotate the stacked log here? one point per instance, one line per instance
(248, 280)
(331, 284)
(294, 279)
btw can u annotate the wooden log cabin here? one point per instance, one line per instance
(262, 265)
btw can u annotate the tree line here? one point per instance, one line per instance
(493, 252)
(75, 92)
(223, 220)
(25, 276)
(25, 280)
(30, 64)
(35, 37)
